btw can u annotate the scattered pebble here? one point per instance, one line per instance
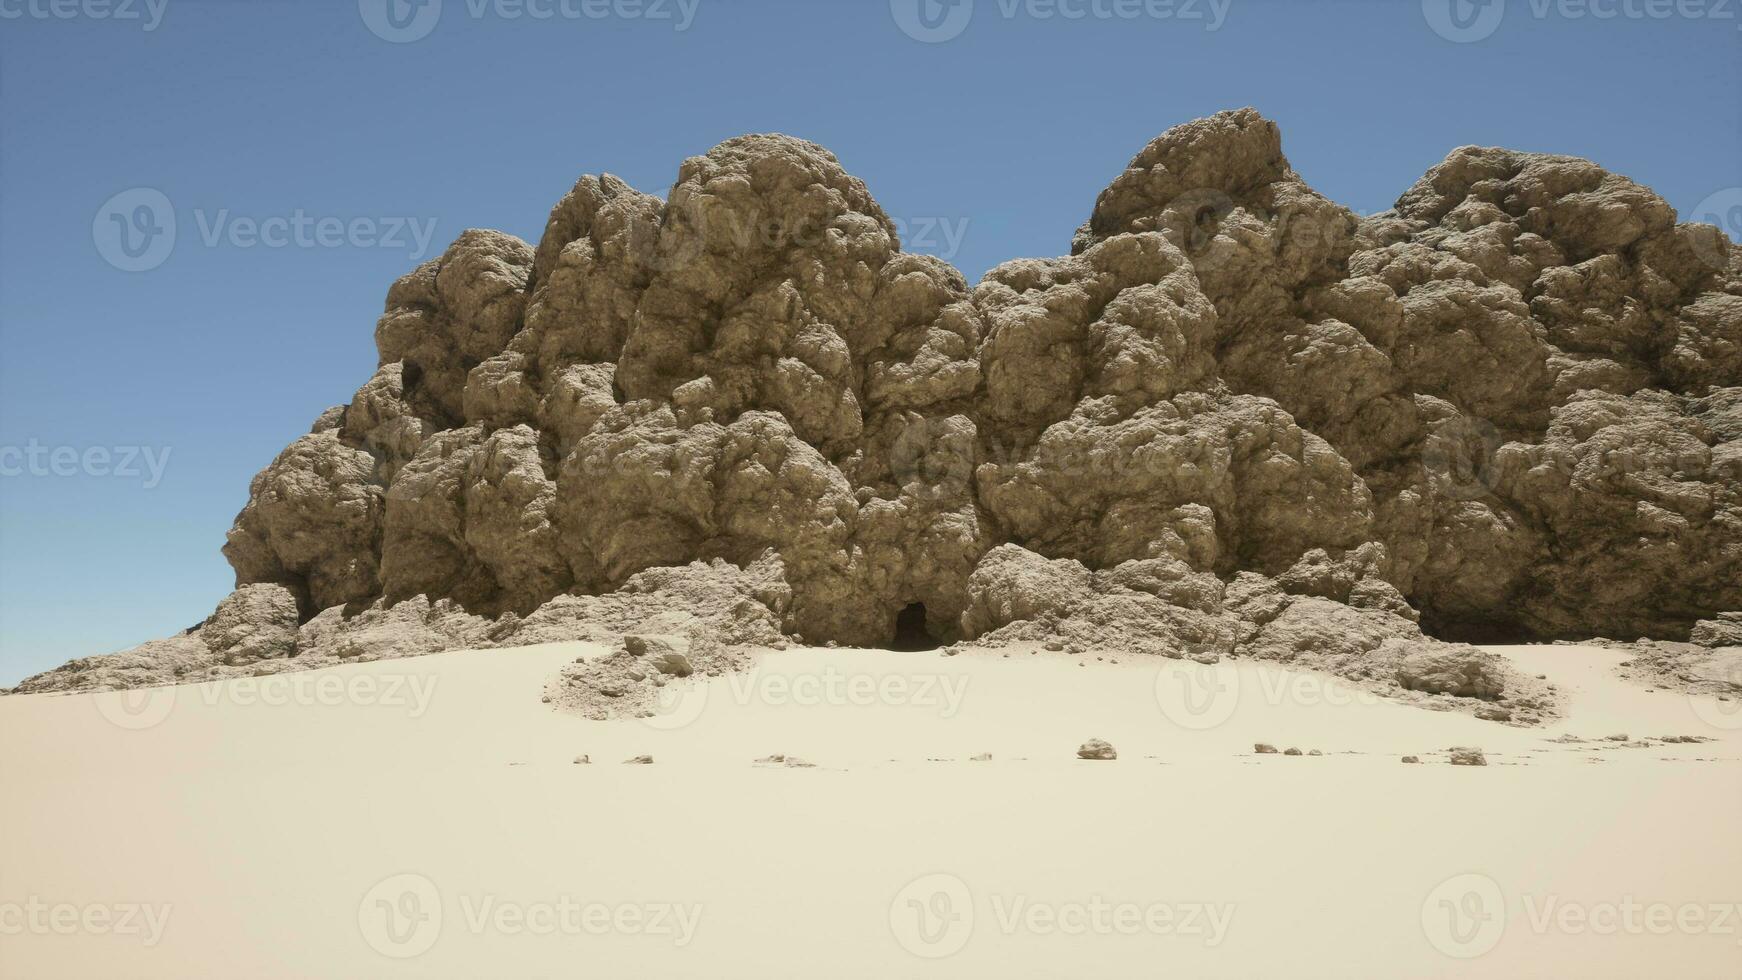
(1411, 759)
(1097, 749)
(982, 757)
(1468, 757)
(582, 760)
(1263, 749)
(640, 760)
(1291, 751)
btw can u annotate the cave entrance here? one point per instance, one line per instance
(1497, 631)
(910, 630)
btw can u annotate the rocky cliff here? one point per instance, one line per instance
(1237, 419)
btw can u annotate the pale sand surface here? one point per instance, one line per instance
(264, 827)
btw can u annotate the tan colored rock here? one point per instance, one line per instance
(1464, 672)
(256, 622)
(1236, 420)
(1097, 749)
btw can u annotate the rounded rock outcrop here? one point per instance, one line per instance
(1235, 418)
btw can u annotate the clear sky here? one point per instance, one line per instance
(985, 127)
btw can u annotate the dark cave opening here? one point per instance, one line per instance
(1478, 631)
(910, 630)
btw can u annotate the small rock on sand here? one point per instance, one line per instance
(1097, 749)
(583, 760)
(640, 760)
(1263, 748)
(982, 757)
(1468, 757)
(1411, 759)
(1291, 751)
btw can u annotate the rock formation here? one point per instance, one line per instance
(1237, 419)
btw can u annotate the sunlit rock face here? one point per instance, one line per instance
(1511, 404)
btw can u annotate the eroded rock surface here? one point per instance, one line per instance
(1238, 419)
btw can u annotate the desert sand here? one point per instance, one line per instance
(423, 818)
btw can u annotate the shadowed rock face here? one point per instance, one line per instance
(1234, 411)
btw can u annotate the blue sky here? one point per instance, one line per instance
(987, 142)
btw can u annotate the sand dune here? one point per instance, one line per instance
(424, 818)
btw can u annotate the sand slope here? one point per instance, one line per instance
(424, 818)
